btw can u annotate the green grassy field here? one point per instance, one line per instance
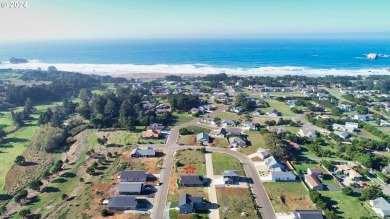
(233, 201)
(180, 118)
(196, 130)
(345, 204)
(256, 141)
(280, 106)
(293, 130)
(228, 116)
(288, 196)
(302, 167)
(222, 162)
(365, 134)
(193, 158)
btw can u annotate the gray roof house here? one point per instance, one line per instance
(273, 112)
(236, 142)
(145, 152)
(189, 204)
(381, 207)
(273, 163)
(220, 133)
(130, 188)
(192, 180)
(307, 214)
(133, 176)
(127, 202)
(386, 170)
(203, 138)
(342, 135)
(158, 126)
(282, 176)
(231, 177)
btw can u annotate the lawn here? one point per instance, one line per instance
(280, 106)
(180, 118)
(293, 130)
(196, 130)
(228, 116)
(187, 140)
(288, 196)
(222, 162)
(302, 167)
(261, 119)
(256, 141)
(385, 130)
(190, 157)
(347, 206)
(220, 142)
(365, 134)
(233, 201)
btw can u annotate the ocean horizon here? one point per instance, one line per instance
(312, 57)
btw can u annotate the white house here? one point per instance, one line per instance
(282, 176)
(307, 133)
(262, 153)
(381, 207)
(292, 102)
(272, 163)
(351, 125)
(265, 96)
(360, 117)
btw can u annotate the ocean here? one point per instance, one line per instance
(258, 57)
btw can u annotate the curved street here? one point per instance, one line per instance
(171, 147)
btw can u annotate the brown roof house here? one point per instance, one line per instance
(313, 182)
(151, 134)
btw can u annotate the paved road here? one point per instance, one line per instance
(214, 214)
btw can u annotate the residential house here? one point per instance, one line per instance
(219, 133)
(345, 107)
(212, 121)
(354, 175)
(340, 127)
(203, 138)
(277, 130)
(386, 170)
(321, 95)
(274, 113)
(195, 111)
(265, 96)
(237, 109)
(130, 188)
(381, 206)
(145, 152)
(236, 142)
(259, 103)
(262, 153)
(273, 163)
(249, 125)
(360, 117)
(343, 135)
(133, 176)
(229, 122)
(282, 176)
(351, 126)
(314, 171)
(384, 123)
(256, 113)
(231, 177)
(313, 182)
(307, 133)
(189, 204)
(127, 202)
(192, 180)
(307, 214)
(292, 102)
(151, 134)
(156, 126)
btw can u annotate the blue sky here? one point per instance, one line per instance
(75, 19)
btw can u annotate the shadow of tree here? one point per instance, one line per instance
(59, 180)
(50, 189)
(68, 175)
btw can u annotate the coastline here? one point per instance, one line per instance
(161, 70)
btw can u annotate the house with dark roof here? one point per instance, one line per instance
(133, 176)
(127, 202)
(145, 152)
(203, 138)
(274, 113)
(192, 180)
(307, 214)
(231, 177)
(189, 204)
(130, 188)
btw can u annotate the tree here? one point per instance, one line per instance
(2, 134)
(46, 175)
(347, 191)
(104, 213)
(370, 193)
(3, 209)
(24, 212)
(102, 141)
(28, 107)
(20, 160)
(35, 184)
(21, 196)
(90, 170)
(57, 167)
(184, 131)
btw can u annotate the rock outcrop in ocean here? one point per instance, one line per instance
(14, 60)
